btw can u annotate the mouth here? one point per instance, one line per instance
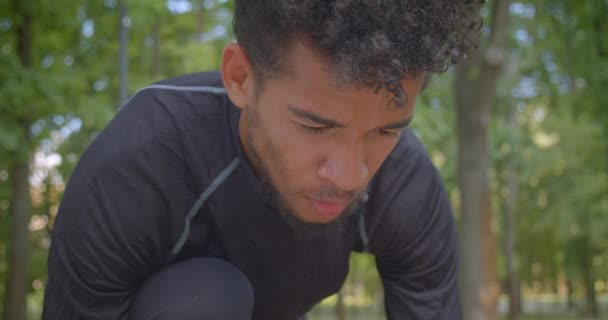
(329, 209)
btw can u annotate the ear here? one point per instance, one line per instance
(237, 75)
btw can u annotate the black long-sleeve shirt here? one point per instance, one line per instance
(167, 180)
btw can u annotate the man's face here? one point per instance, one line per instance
(315, 143)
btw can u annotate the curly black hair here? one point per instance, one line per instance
(374, 43)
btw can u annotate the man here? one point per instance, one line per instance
(241, 194)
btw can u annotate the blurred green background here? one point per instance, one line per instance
(520, 135)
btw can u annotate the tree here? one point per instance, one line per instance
(509, 210)
(571, 78)
(16, 286)
(55, 103)
(34, 90)
(475, 89)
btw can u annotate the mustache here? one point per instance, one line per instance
(331, 192)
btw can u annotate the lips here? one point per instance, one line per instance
(329, 209)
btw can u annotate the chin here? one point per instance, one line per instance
(302, 214)
(314, 219)
(314, 215)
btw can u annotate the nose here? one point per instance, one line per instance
(345, 166)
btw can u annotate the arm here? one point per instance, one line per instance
(121, 213)
(415, 244)
(420, 278)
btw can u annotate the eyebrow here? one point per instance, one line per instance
(314, 117)
(334, 124)
(398, 124)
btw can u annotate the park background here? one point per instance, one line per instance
(519, 133)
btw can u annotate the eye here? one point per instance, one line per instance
(315, 130)
(389, 133)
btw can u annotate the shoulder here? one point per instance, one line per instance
(179, 122)
(409, 149)
(413, 235)
(406, 196)
(406, 169)
(188, 97)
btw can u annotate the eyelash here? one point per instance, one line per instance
(387, 133)
(320, 130)
(315, 130)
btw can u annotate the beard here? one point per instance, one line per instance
(278, 200)
(301, 228)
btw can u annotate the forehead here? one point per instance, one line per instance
(309, 81)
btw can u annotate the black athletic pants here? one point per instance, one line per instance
(200, 288)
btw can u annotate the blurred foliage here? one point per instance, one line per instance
(554, 82)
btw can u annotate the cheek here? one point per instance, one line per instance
(297, 156)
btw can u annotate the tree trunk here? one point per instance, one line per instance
(340, 308)
(123, 51)
(475, 89)
(591, 307)
(570, 294)
(491, 284)
(510, 239)
(590, 296)
(17, 281)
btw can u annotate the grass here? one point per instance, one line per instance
(526, 317)
(538, 308)
(325, 312)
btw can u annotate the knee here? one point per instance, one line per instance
(200, 288)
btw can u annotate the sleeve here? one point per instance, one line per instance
(122, 211)
(416, 246)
